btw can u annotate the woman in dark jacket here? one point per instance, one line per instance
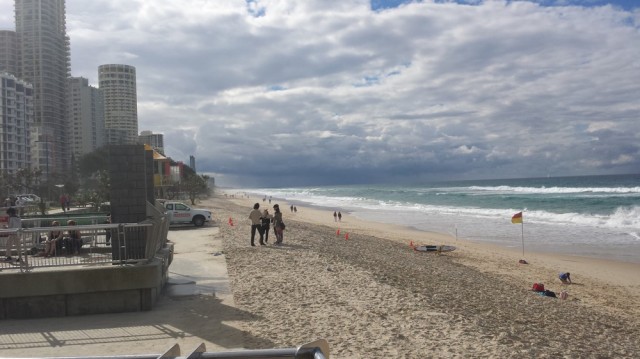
(278, 225)
(266, 224)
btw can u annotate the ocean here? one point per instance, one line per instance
(592, 216)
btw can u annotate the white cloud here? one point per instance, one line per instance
(301, 92)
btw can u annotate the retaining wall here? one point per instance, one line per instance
(79, 291)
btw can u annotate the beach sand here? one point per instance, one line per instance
(372, 296)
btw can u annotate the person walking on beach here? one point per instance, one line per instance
(278, 224)
(565, 277)
(335, 216)
(256, 224)
(339, 217)
(14, 222)
(266, 224)
(63, 202)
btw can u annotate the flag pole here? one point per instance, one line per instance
(522, 238)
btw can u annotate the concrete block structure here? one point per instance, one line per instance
(107, 288)
(82, 291)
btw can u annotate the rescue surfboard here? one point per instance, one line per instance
(434, 248)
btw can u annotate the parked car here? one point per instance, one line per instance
(180, 213)
(31, 198)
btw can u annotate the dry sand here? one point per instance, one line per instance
(371, 296)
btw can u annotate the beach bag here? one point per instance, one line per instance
(549, 293)
(538, 287)
(564, 295)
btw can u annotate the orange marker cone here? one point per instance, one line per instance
(338, 232)
(230, 221)
(346, 237)
(411, 244)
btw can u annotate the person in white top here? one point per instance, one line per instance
(256, 224)
(13, 240)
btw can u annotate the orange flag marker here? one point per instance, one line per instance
(338, 232)
(346, 237)
(230, 221)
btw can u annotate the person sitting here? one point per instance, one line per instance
(54, 241)
(565, 277)
(108, 231)
(73, 241)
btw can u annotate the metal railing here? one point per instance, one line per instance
(130, 243)
(102, 243)
(318, 349)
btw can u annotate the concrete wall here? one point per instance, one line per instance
(80, 291)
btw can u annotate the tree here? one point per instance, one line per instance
(196, 185)
(25, 179)
(93, 162)
(96, 181)
(98, 190)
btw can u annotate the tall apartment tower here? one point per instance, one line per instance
(86, 117)
(155, 140)
(44, 61)
(118, 83)
(192, 163)
(9, 52)
(16, 119)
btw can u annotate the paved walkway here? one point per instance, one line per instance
(197, 307)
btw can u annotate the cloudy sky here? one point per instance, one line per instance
(284, 93)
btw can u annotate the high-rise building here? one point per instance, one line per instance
(8, 52)
(118, 83)
(86, 117)
(16, 119)
(192, 163)
(155, 140)
(44, 61)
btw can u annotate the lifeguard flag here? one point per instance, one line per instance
(517, 218)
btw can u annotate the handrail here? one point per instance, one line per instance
(136, 243)
(318, 349)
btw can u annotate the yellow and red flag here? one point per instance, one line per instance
(517, 218)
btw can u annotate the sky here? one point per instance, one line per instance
(273, 93)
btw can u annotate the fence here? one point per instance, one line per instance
(102, 244)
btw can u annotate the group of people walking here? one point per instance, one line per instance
(261, 222)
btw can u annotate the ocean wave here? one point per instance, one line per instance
(554, 190)
(622, 217)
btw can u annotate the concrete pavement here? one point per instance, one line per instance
(196, 307)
